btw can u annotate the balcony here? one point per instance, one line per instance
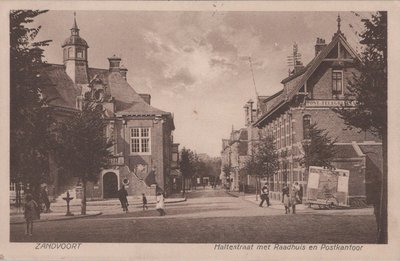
(116, 161)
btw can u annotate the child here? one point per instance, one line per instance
(30, 213)
(144, 201)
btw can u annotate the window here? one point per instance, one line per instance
(140, 140)
(79, 54)
(70, 52)
(284, 133)
(337, 82)
(306, 126)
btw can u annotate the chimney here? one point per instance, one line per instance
(319, 46)
(250, 102)
(114, 63)
(146, 97)
(123, 71)
(246, 114)
(298, 66)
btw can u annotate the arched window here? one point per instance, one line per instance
(306, 126)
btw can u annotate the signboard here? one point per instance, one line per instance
(330, 103)
(328, 186)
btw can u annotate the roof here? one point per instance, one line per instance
(345, 151)
(303, 75)
(59, 86)
(64, 91)
(75, 40)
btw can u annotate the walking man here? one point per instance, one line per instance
(264, 195)
(122, 194)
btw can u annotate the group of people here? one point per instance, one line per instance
(290, 197)
(123, 198)
(33, 208)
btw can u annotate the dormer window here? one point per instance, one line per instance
(337, 83)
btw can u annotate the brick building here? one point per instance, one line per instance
(142, 134)
(308, 96)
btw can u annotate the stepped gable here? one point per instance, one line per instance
(58, 85)
(127, 100)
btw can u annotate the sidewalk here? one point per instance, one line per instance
(110, 206)
(303, 208)
(53, 216)
(275, 204)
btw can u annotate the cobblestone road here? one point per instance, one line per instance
(208, 216)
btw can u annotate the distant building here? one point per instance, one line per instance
(143, 153)
(233, 154)
(308, 96)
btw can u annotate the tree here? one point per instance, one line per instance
(83, 149)
(319, 149)
(369, 90)
(264, 160)
(31, 121)
(227, 169)
(186, 166)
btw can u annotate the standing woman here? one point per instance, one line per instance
(294, 197)
(160, 204)
(31, 213)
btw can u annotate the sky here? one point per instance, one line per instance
(195, 64)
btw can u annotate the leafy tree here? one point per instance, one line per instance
(227, 169)
(264, 160)
(83, 148)
(319, 149)
(30, 117)
(186, 166)
(369, 90)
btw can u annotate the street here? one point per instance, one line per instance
(208, 216)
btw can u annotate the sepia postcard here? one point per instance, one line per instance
(210, 130)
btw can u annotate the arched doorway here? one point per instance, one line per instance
(110, 185)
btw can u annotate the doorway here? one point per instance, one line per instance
(110, 185)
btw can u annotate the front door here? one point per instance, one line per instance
(110, 185)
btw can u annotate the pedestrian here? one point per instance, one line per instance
(144, 199)
(160, 206)
(294, 196)
(122, 195)
(31, 213)
(44, 196)
(286, 198)
(264, 195)
(301, 194)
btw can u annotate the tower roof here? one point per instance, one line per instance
(75, 39)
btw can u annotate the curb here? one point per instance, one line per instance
(58, 219)
(231, 194)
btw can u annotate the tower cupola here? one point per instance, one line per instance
(76, 55)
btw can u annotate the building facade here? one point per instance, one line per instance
(143, 150)
(234, 154)
(309, 95)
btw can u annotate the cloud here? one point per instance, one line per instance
(183, 75)
(220, 43)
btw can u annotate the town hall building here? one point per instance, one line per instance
(142, 134)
